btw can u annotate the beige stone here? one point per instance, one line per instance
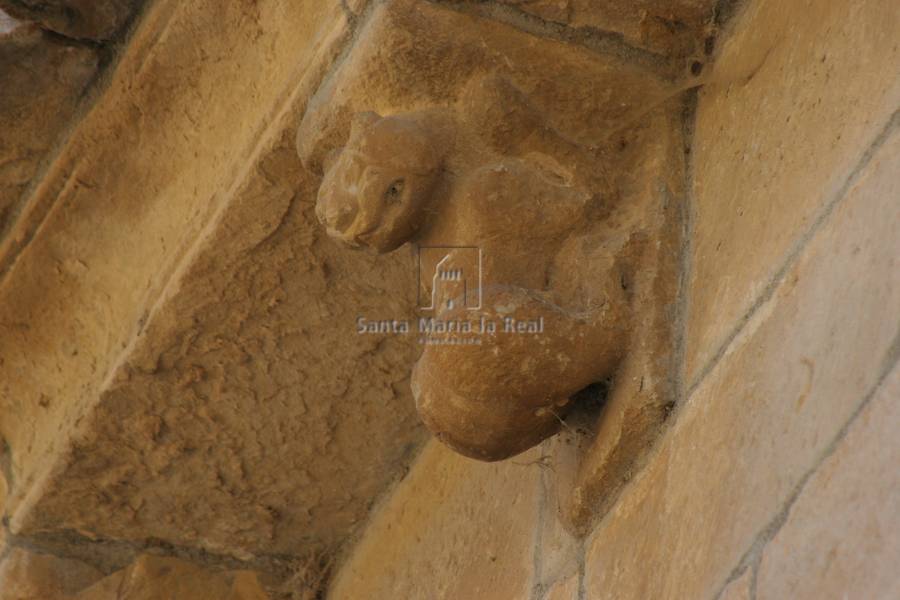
(249, 431)
(357, 6)
(800, 90)
(486, 159)
(566, 589)
(758, 422)
(180, 365)
(558, 550)
(609, 450)
(31, 576)
(454, 528)
(740, 588)
(416, 54)
(391, 185)
(165, 578)
(664, 26)
(842, 535)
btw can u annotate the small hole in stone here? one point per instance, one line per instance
(392, 194)
(696, 67)
(586, 406)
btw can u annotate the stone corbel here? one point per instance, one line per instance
(548, 174)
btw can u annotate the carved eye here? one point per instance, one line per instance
(392, 194)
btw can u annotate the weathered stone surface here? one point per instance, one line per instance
(191, 369)
(791, 107)
(454, 528)
(519, 333)
(473, 159)
(165, 578)
(781, 393)
(664, 26)
(31, 576)
(82, 19)
(566, 589)
(842, 535)
(179, 357)
(558, 552)
(740, 588)
(591, 471)
(105, 589)
(41, 83)
(388, 73)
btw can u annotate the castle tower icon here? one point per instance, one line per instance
(449, 278)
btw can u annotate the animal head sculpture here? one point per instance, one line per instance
(376, 187)
(492, 400)
(562, 166)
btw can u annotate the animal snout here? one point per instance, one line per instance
(335, 212)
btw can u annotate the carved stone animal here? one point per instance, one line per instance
(533, 203)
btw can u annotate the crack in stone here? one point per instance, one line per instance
(538, 588)
(600, 41)
(794, 254)
(682, 310)
(753, 556)
(109, 556)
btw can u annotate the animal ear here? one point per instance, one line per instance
(361, 122)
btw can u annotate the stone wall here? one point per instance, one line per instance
(776, 476)
(182, 417)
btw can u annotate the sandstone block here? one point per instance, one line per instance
(757, 423)
(31, 576)
(842, 535)
(663, 26)
(454, 528)
(165, 578)
(740, 588)
(800, 91)
(566, 589)
(176, 378)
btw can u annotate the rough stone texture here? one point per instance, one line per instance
(164, 578)
(564, 590)
(740, 588)
(80, 19)
(509, 110)
(664, 26)
(269, 408)
(191, 369)
(41, 82)
(842, 535)
(422, 178)
(450, 48)
(30, 576)
(784, 388)
(454, 528)
(591, 472)
(179, 360)
(558, 552)
(792, 105)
